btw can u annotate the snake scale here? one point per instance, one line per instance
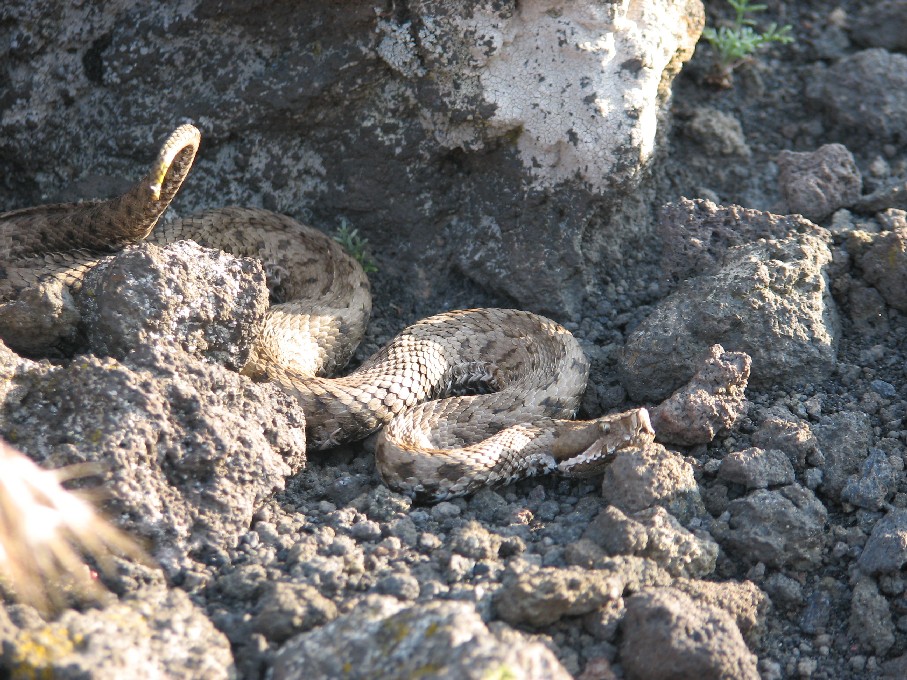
(465, 398)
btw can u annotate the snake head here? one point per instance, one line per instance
(586, 448)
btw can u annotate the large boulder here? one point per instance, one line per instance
(508, 141)
(770, 298)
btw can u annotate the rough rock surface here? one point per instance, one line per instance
(875, 483)
(770, 299)
(40, 321)
(539, 597)
(781, 430)
(711, 402)
(616, 533)
(384, 639)
(680, 552)
(877, 79)
(641, 478)
(719, 133)
(844, 440)
(651, 533)
(665, 636)
(207, 302)
(870, 617)
(162, 425)
(881, 25)
(884, 265)
(303, 110)
(744, 601)
(191, 449)
(697, 233)
(757, 468)
(467, 109)
(158, 633)
(817, 183)
(886, 549)
(287, 609)
(776, 527)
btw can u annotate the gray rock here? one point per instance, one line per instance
(41, 320)
(290, 608)
(876, 482)
(782, 430)
(602, 624)
(883, 24)
(635, 573)
(678, 551)
(711, 402)
(583, 553)
(892, 194)
(884, 265)
(469, 110)
(883, 388)
(616, 533)
(475, 541)
(786, 593)
(207, 302)
(865, 94)
(244, 582)
(696, 234)
(367, 530)
(16, 377)
(640, 478)
(748, 605)
(156, 633)
(783, 527)
(843, 439)
(653, 534)
(717, 132)
(895, 669)
(886, 549)
(867, 310)
(665, 635)
(402, 586)
(756, 468)
(770, 299)
(817, 183)
(535, 596)
(891, 219)
(816, 613)
(190, 449)
(870, 617)
(383, 639)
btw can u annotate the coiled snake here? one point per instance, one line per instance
(467, 398)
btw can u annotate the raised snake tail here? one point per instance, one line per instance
(53, 240)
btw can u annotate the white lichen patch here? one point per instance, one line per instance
(398, 49)
(579, 82)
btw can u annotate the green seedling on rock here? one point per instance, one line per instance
(355, 245)
(736, 44)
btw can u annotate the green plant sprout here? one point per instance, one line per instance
(355, 245)
(736, 44)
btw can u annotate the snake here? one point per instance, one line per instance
(461, 400)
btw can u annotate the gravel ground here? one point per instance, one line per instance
(767, 541)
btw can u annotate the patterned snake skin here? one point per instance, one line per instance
(466, 398)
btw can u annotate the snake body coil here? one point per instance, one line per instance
(468, 398)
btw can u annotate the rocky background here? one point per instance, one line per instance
(549, 156)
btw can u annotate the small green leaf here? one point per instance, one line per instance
(355, 245)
